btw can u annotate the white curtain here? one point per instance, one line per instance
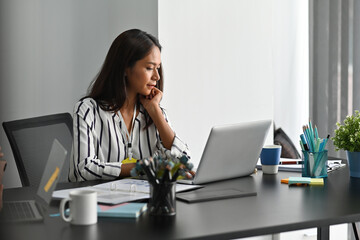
(334, 63)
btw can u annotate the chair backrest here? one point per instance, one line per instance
(31, 139)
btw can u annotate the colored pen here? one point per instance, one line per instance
(308, 138)
(317, 146)
(175, 176)
(150, 174)
(322, 145)
(316, 133)
(291, 162)
(311, 130)
(326, 140)
(306, 148)
(302, 146)
(312, 142)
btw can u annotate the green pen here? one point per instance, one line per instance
(302, 146)
(317, 144)
(311, 139)
(311, 130)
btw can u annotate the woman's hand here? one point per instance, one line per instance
(151, 101)
(125, 169)
(151, 105)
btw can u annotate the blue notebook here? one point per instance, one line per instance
(124, 210)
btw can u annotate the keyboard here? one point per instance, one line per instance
(19, 211)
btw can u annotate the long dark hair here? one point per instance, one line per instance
(109, 87)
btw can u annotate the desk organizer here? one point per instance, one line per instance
(314, 164)
(162, 200)
(162, 171)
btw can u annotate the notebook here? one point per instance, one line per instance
(231, 151)
(34, 210)
(124, 210)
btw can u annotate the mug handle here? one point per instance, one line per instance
(62, 210)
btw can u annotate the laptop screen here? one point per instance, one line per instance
(51, 173)
(232, 151)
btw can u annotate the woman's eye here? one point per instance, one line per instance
(149, 68)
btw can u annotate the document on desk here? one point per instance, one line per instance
(331, 165)
(120, 191)
(285, 167)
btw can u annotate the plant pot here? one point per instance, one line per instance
(354, 163)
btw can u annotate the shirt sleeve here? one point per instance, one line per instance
(178, 148)
(87, 165)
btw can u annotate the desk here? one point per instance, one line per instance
(276, 208)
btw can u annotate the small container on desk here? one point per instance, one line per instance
(162, 200)
(314, 164)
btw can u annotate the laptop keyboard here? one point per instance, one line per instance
(18, 211)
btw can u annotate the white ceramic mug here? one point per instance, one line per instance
(83, 207)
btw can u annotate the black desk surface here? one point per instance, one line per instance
(276, 208)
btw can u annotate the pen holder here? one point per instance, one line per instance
(314, 164)
(162, 200)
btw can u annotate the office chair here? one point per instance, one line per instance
(30, 140)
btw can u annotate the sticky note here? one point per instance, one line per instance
(133, 160)
(301, 180)
(52, 179)
(317, 182)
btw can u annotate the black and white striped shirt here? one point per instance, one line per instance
(100, 142)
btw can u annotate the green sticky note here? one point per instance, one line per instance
(302, 180)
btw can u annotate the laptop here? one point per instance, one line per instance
(35, 210)
(231, 151)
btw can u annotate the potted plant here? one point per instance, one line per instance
(347, 137)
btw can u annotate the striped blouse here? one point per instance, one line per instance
(100, 142)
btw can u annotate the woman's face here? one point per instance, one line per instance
(142, 77)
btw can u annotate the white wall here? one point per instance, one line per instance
(51, 50)
(233, 61)
(218, 64)
(291, 66)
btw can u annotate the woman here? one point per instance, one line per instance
(120, 119)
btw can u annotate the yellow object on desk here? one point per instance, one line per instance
(127, 160)
(317, 182)
(313, 182)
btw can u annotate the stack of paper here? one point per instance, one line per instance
(120, 191)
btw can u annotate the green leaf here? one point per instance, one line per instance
(347, 136)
